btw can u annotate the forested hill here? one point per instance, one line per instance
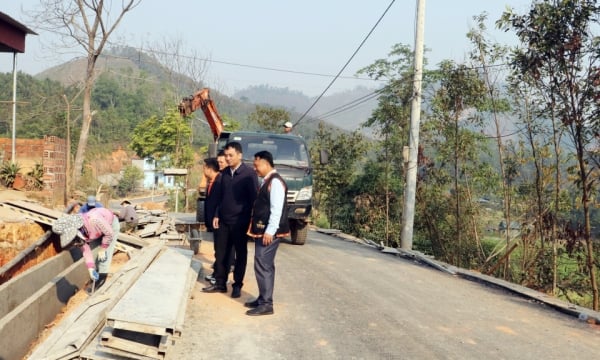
(347, 110)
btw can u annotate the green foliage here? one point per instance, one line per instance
(165, 138)
(8, 173)
(35, 177)
(269, 118)
(558, 59)
(127, 184)
(333, 181)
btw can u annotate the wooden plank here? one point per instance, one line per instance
(77, 330)
(154, 300)
(33, 210)
(149, 230)
(134, 347)
(133, 240)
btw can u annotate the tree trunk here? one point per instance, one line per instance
(87, 120)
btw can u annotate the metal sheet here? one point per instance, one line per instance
(155, 299)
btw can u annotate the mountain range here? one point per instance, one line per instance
(341, 110)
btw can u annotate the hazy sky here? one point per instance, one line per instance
(312, 36)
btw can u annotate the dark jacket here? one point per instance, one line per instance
(262, 210)
(238, 193)
(211, 202)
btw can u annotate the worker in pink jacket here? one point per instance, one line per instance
(98, 227)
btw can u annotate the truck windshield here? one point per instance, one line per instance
(286, 150)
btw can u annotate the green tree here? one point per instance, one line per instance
(165, 140)
(382, 183)
(269, 118)
(127, 184)
(332, 187)
(459, 95)
(559, 50)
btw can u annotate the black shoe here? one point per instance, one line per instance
(214, 289)
(261, 310)
(236, 292)
(251, 304)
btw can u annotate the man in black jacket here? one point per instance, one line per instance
(211, 200)
(239, 186)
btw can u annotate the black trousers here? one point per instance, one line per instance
(264, 269)
(230, 238)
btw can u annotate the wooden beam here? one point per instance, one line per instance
(78, 329)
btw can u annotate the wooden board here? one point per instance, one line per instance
(80, 328)
(152, 304)
(33, 211)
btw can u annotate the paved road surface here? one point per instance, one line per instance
(336, 299)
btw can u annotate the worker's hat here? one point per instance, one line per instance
(288, 125)
(67, 227)
(91, 200)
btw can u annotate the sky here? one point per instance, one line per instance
(308, 36)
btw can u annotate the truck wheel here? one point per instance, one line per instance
(200, 211)
(299, 232)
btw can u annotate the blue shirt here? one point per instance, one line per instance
(85, 207)
(276, 196)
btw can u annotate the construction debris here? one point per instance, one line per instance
(103, 326)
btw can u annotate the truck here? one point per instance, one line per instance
(290, 156)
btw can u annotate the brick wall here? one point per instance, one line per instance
(50, 152)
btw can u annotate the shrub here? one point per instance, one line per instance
(8, 173)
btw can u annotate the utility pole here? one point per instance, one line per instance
(13, 158)
(408, 215)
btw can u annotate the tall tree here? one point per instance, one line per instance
(460, 93)
(269, 118)
(165, 140)
(560, 51)
(390, 121)
(87, 24)
(333, 181)
(484, 54)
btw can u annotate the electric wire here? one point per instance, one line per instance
(345, 65)
(349, 106)
(257, 67)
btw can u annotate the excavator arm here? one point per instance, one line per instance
(201, 99)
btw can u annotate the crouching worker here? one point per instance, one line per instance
(98, 227)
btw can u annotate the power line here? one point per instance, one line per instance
(347, 62)
(350, 105)
(258, 67)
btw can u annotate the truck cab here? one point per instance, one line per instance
(292, 161)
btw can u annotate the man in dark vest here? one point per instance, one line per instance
(268, 225)
(239, 185)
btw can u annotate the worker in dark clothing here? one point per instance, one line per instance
(239, 186)
(211, 202)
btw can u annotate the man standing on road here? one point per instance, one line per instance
(239, 185)
(267, 227)
(211, 202)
